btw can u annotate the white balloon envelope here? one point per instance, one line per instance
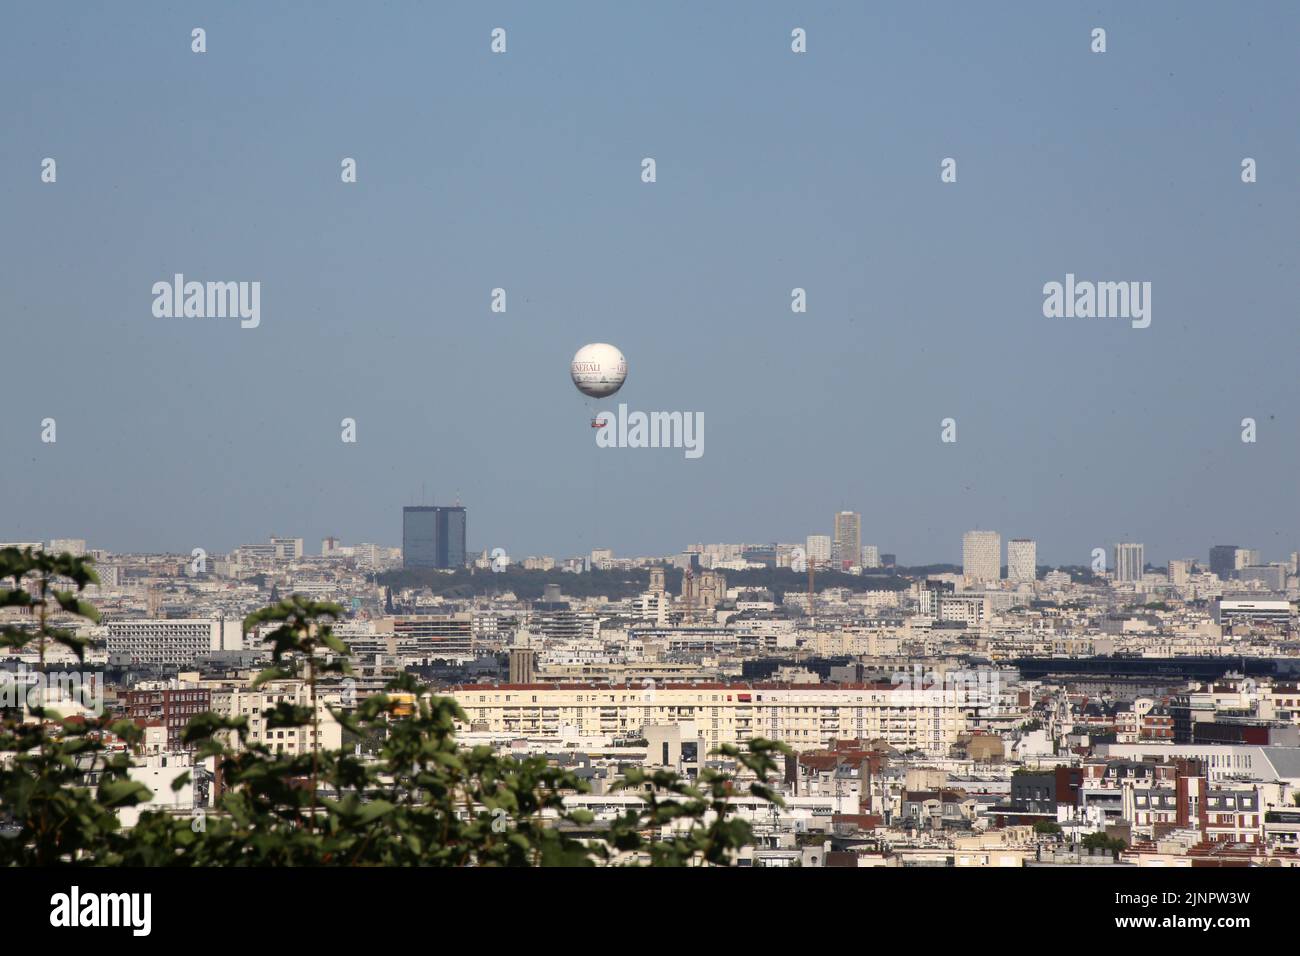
(599, 370)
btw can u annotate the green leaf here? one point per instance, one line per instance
(374, 810)
(70, 603)
(123, 793)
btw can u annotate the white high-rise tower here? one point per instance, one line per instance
(1129, 562)
(981, 557)
(1022, 560)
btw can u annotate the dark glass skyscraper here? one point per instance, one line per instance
(433, 536)
(1223, 560)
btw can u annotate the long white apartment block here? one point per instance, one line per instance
(172, 641)
(805, 716)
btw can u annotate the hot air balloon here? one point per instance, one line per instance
(598, 370)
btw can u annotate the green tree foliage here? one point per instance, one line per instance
(703, 828)
(420, 800)
(60, 788)
(1100, 841)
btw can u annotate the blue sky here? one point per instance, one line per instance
(775, 170)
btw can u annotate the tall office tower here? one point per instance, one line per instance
(1180, 572)
(888, 559)
(1246, 558)
(1223, 560)
(981, 556)
(847, 548)
(433, 536)
(1022, 560)
(328, 546)
(818, 548)
(1129, 562)
(870, 556)
(287, 549)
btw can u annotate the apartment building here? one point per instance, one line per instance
(172, 642)
(253, 702)
(1232, 612)
(169, 707)
(805, 716)
(1221, 814)
(981, 557)
(1022, 560)
(846, 550)
(1220, 763)
(1129, 561)
(818, 547)
(431, 636)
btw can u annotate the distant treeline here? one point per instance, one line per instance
(528, 585)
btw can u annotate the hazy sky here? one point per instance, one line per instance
(775, 170)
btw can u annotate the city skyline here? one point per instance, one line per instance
(1018, 557)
